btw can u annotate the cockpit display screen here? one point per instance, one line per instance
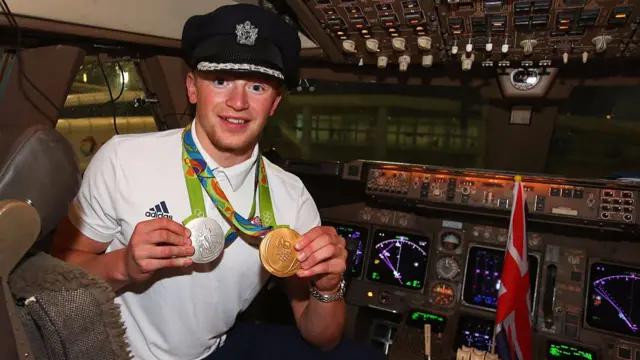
(482, 276)
(613, 298)
(474, 332)
(357, 234)
(559, 351)
(398, 259)
(419, 318)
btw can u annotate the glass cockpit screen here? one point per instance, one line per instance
(398, 259)
(482, 276)
(357, 234)
(613, 299)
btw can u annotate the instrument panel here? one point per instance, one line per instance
(433, 247)
(487, 33)
(593, 202)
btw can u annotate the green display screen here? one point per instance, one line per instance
(418, 319)
(557, 350)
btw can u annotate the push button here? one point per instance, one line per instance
(576, 276)
(573, 319)
(571, 332)
(624, 352)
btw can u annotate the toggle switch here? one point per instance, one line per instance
(382, 61)
(427, 61)
(403, 62)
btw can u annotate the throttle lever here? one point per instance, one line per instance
(549, 295)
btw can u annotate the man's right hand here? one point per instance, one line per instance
(156, 244)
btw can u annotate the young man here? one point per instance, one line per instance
(126, 223)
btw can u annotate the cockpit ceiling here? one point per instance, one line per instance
(162, 18)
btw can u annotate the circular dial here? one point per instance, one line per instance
(442, 294)
(450, 241)
(447, 268)
(523, 79)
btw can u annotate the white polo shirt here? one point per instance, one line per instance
(180, 313)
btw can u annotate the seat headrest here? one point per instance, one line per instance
(38, 164)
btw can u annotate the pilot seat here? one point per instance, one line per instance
(51, 309)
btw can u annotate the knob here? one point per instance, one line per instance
(528, 45)
(585, 57)
(384, 297)
(504, 48)
(427, 60)
(349, 46)
(403, 62)
(466, 62)
(565, 58)
(469, 47)
(488, 47)
(601, 42)
(398, 44)
(382, 61)
(424, 43)
(372, 45)
(454, 49)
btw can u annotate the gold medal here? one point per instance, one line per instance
(278, 254)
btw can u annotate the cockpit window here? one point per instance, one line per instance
(595, 132)
(347, 121)
(87, 119)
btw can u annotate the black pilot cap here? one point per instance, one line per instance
(242, 38)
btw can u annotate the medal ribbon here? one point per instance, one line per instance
(198, 175)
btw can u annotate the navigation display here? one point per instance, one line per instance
(357, 234)
(556, 351)
(398, 259)
(482, 276)
(613, 298)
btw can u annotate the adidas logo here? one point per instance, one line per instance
(159, 211)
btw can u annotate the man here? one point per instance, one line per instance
(126, 223)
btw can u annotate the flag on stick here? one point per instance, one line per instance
(512, 335)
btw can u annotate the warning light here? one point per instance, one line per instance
(370, 294)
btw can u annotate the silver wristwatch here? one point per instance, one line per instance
(329, 298)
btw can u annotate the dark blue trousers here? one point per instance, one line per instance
(266, 341)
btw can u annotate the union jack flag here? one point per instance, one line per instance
(513, 322)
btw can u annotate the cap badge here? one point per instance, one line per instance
(247, 33)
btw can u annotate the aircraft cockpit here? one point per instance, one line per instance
(408, 126)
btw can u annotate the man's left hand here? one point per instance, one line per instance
(323, 255)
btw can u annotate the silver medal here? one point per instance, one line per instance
(207, 238)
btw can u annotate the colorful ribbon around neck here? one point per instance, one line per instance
(198, 175)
